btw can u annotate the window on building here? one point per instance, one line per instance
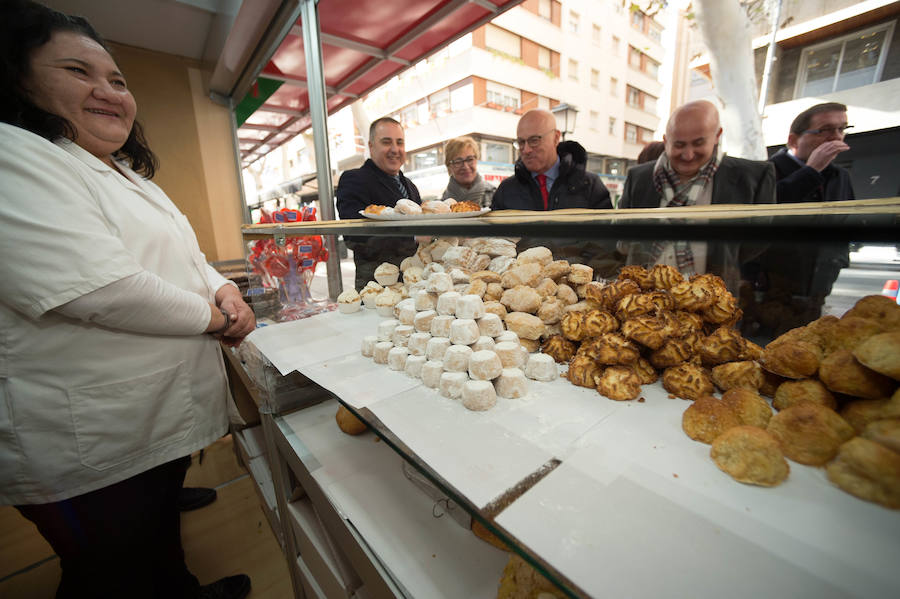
(634, 57)
(574, 20)
(637, 20)
(651, 67)
(503, 95)
(613, 86)
(503, 41)
(596, 33)
(595, 120)
(615, 45)
(545, 9)
(614, 166)
(649, 103)
(462, 96)
(654, 31)
(543, 58)
(851, 61)
(631, 133)
(409, 116)
(439, 103)
(495, 151)
(633, 96)
(573, 70)
(543, 103)
(612, 125)
(595, 78)
(425, 159)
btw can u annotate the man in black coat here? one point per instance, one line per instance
(549, 175)
(689, 172)
(378, 181)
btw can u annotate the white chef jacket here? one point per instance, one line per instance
(83, 406)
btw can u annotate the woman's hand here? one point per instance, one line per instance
(243, 321)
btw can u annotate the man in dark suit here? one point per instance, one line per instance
(549, 175)
(690, 172)
(378, 181)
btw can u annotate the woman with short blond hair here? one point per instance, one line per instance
(461, 158)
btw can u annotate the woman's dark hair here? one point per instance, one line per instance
(651, 152)
(25, 26)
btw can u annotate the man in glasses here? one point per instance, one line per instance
(549, 175)
(378, 181)
(805, 170)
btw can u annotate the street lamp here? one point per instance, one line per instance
(565, 118)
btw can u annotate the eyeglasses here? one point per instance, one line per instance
(458, 162)
(533, 141)
(828, 130)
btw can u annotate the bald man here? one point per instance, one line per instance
(690, 172)
(549, 175)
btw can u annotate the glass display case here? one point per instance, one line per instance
(602, 462)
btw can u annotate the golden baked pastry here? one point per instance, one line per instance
(842, 373)
(867, 470)
(551, 310)
(610, 348)
(526, 326)
(809, 433)
(493, 292)
(723, 345)
(688, 381)
(746, 374)
(546, 288)
(477, 287)
(599, 322)
(638, 304)
(488, 276)
(638, 274)
(791, 359)
(750, 455)
(495, 307)
(465, 207)
(790, 393)
(751, 351)
(556, 270)
(847, 332)
(625, 287)
(597, 292)
(559, 348)
(881, 353)
(526, 274)
(645, 371)
(707, 418)
(884, 432)
(620, 383)
(693, 295)
(374, 209)
(349, 423)
(582, 371)
(751, 409)
(688, 322)
(646, 330)
(665, 276)
(672, 353)
(861, 412)
(878, 308)
(572, 324)
(579, 274)
(723, 310)
(521, 298)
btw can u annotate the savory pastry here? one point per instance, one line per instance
(521, 298)
(541, 368)
(583, 371)
(374, 209)
(465, 207)
(348, 422)
(599, 322)
(809, 433)
(511, 384)
(672, 353)
(750, 455)
(723, 345)
(620, 383)
(688, 381)
(559, 348)
(435, 207)
(610, 348)
(790, 393)
(750, 408)
(842, 373)
(539, 254)
(867, 470)
(526, 326)
(665, 276)
(731, 375)
(707, 418)
(638, 274)
(878, 308)
(880, 353)
(479, 395)
(484, 365)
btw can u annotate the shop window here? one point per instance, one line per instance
(425, 159)
(851, 61)
(495, 151)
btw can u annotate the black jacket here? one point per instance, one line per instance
(798, 183)
(573, 188)
(368, 184)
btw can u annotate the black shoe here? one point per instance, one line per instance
(191, 498)
(230, 587)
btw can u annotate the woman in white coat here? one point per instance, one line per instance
(110, 370)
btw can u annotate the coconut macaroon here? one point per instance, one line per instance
(349, 301)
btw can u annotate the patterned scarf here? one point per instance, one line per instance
(676, 193)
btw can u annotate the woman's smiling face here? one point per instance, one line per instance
(73, 77)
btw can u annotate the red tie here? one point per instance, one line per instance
(542, 183)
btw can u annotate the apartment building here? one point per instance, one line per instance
(826, 51)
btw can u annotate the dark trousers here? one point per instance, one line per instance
(120, 541)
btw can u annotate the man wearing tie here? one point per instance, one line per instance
(378, 181)
(549, 175)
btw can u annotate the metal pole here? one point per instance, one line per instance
(315, 75)
(770, 58)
